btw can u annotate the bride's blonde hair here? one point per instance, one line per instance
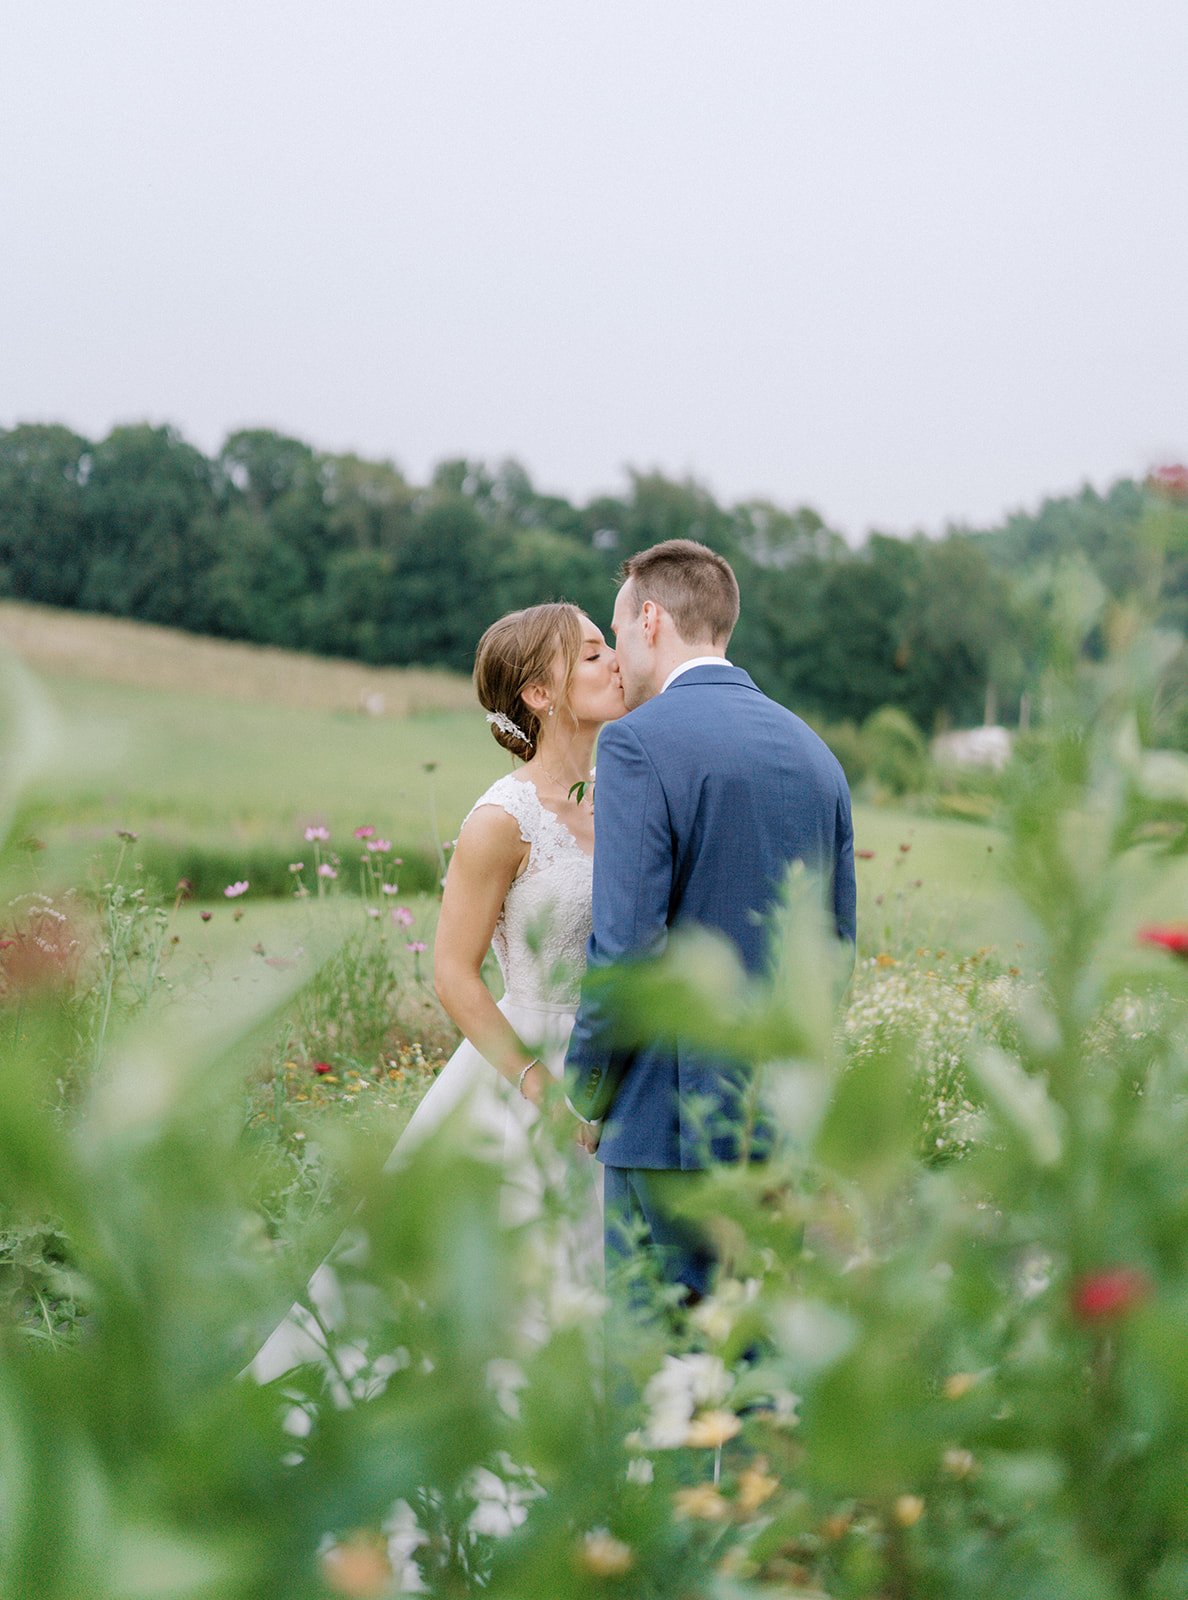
(517, 651)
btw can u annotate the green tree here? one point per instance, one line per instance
(851, 655)
(149, 515)
(441, 586)
(42, 532)
(369, 505)
(661, 508)
(536, 564)
(256, 586)
(958, 614)
(265, 466)
(357, 609)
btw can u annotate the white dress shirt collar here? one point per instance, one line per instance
(687, 666)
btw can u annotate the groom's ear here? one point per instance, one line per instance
(650, 617)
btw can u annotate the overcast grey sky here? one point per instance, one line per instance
(903, 260)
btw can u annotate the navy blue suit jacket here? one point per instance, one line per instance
(704, 796)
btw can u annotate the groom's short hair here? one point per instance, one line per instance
(694, 584)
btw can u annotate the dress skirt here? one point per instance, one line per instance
(493, 1120)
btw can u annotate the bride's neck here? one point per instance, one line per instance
(566, 759)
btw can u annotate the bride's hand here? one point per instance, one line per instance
(534, 1085)
(588, 1135)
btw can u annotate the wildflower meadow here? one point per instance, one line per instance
(945, 1355)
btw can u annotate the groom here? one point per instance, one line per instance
(706, 792)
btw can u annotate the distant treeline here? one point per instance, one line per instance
(276, 542)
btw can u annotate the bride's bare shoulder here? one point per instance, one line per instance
(495, 832)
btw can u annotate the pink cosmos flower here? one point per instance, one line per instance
(326, 871)
(402, 916)
(364, 833)
(296, 866)
(389, 888)
(319, 834)
(417, 947)
(234, 890)
(382, 845)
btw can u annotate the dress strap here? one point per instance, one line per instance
(518, 799)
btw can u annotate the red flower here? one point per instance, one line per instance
(865, 855)
(1171, 936)
(322, 1068)
(1107, 1295)
(1171, 480)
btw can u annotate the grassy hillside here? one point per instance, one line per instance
(76, 644)
(230, 750)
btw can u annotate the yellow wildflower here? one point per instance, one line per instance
(358, 1568)
(958, 1463)
(702, 1502)
(605, 1556)
(958, 1385)
(908, 1510)
(711, 1429)
(755, 1487)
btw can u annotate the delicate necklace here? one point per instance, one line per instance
(578, 783)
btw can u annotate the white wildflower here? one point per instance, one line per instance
(683, 1385)
(505, 1379)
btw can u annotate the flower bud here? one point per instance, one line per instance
(1108, 1295)
(908, 1510)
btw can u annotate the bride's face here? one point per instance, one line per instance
(596, 690)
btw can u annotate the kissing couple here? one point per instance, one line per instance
(706, 793)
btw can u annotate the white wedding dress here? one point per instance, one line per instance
(540, 944)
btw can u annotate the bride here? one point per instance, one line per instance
(520, 883)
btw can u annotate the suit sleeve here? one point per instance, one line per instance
(845, 890)
(633, 871)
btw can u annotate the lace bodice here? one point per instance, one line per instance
(540, 937)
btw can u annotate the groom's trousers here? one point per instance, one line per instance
(646, 1235)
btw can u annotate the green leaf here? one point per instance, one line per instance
(1020, 1102)
(870, 1129)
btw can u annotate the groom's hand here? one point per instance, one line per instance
(588, 1135)
(547, 1096)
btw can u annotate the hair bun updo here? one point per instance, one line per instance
(509, 735)
(524, 648)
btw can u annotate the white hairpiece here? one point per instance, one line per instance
(506, 725)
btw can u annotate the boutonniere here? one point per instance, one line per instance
(578, 792)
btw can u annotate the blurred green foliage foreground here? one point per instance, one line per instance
(960, 1376)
